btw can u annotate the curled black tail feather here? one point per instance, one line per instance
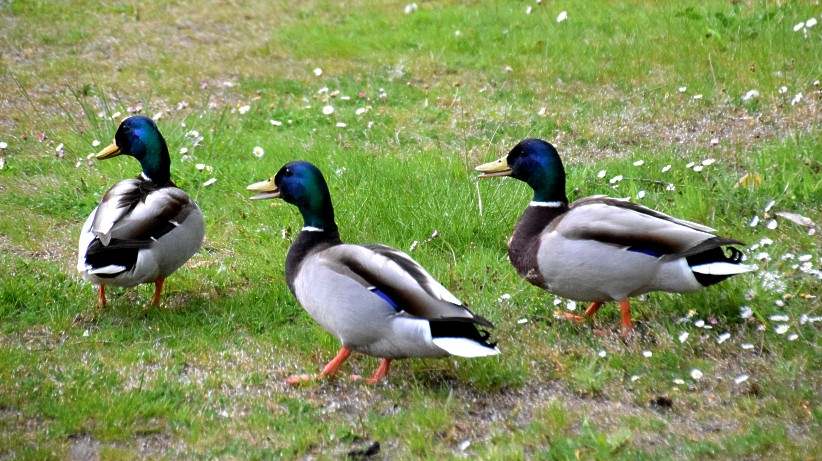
(713, 255)
(458, 327)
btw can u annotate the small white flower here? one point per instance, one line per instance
(647, 354)
(557, 301)
(640, 195)
(601, 174)
(360, 111)
(634, 378)
(562, 16)
(317, 72)
(699, 323)
(766, 241)
(810, 23)
(328, 109)
(522, 321)
(754, 221)
(769, 205)
(209, 182)
(723, 337)
(183, 150)
(118, 114)
(666, 168)
(762, 256)
(341, 125)
(457, 33)
(542, 111)
(670, 187)
(781, 329)
(741, 379)
(639, 163)
(615, 179)
(714, 141)
(698, 168)
(779, 318)
(602, 354)
(258, 151)
(782, 89)
(679, 381)
(571, 305)
(799, 26)
(772, 224)
(697, 97)
(696, 374)
(804, 258)
(275, 122)
(244, 109)
(793, 337)
(528, 9)
(683, 336)
(86, 333)
(751, 94)
(747, 346)
(682, 89)
(690, 165)
(504, 297)
(94, 143)
(796, 99)
(410, 8)
(709, 161)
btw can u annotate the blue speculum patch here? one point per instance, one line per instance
(386, 298)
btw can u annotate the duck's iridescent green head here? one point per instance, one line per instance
(535, 162)
(301, 184)
(139, 137)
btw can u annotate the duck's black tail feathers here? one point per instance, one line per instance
(461, 337)
(710, 264)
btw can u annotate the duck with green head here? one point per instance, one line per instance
(144, 228)
(601, 249)
(376, 300)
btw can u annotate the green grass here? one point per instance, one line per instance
(203, 375)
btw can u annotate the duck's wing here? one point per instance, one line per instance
(132, 215)
(139, 210)
(398, 279)
(634, 227)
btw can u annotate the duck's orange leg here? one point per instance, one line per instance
(329, 369)
(625, 310)
(589, 312)
(158, 291)
(101, 295)
(380, 373)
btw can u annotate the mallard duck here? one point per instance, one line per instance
(376, 300)
(603, 249)
(144, 228)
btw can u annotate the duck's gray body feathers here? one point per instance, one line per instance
(139, 232)
(380, 302)
(602, 249)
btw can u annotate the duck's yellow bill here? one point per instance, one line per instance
(267, 189)
(498, 167)
(112, 150)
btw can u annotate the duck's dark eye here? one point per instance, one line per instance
(288, 172)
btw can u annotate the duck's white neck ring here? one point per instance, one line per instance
(312, 229)
(556, 204)
(144, 176)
